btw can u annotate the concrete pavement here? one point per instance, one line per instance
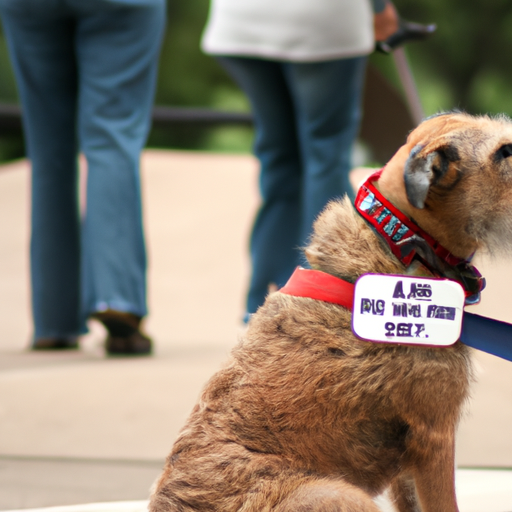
(82, 428)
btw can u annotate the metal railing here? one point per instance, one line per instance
(10, 118)
(386, 121)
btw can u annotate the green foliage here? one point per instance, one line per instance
(8, 93)
(189, 78)
(464, 65)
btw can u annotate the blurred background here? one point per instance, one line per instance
(104, 434)
(464, 65)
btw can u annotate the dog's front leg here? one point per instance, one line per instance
(403, 494)
(434, 471)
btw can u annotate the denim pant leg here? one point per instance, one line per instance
(117, 51)
(41, 50)
(275, 238)
(327, 97)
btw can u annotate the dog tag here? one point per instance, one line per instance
(408, 310)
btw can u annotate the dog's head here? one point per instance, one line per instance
(453, 177)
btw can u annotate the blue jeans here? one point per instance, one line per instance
(86, 73)
(307, 117)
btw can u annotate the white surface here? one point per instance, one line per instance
(478, 490)
(484, 491)
(113, 506)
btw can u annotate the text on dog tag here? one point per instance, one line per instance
(408, 310)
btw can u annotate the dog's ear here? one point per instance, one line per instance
(426, 168)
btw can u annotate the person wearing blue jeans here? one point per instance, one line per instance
(304, 134)
(302, 66)
(86, 74)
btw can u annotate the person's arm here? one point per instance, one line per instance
(385, 19)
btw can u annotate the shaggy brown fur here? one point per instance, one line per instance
(306, 417)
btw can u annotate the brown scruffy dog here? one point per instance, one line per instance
(306, 416)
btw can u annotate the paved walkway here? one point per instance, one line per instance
(81, 428)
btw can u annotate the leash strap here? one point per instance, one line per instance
(487, 335)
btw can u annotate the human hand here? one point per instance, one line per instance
(385, 23)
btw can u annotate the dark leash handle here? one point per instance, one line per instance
(407, 32)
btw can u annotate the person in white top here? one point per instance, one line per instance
(301, 64)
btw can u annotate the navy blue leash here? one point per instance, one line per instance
(487, 335)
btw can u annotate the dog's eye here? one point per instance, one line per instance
(336, 351)
(504, 152)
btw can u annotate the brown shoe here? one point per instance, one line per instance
(135, 344)
(64, 343)
(124, 335)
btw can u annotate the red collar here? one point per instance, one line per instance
(403, 237)
(475, 329)
(318, 285)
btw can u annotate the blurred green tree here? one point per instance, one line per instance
(463, 65)
(466, 63)
(189, 78)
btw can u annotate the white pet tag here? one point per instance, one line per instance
(410, 310)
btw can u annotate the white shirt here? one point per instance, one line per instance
(296, 30)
